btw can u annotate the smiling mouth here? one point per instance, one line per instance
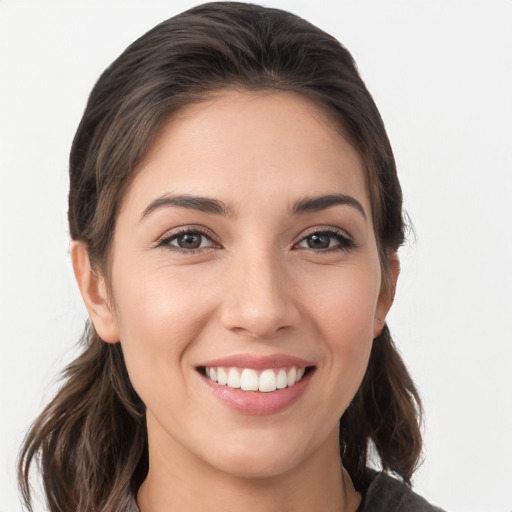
(249, 379)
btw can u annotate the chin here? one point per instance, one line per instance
(261, 456)
(256, 467)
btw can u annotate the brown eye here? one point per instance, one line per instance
(187, 241)
(326, 240)
(320, 241)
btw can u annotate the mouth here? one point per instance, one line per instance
(257, 385)
(250, 379)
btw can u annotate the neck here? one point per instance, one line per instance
(182, 482)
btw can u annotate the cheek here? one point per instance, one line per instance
(344, 308)
(159, 302)
(344, 315)
(159, 318)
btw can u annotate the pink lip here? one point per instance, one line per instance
(255, 402)
(258, 362)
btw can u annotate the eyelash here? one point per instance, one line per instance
(343, 241)
(166, 240)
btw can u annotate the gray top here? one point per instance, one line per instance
(386, 494)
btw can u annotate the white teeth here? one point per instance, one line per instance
(281, 379)
(292, 377)
(248, 379)
(267, 381)
(233, 378)
(222, 376)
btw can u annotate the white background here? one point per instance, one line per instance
(440, 72)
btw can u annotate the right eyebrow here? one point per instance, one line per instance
(318, 203)
(202, 204)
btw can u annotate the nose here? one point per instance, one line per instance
(259, 298)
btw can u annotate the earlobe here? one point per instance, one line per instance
(94, 293)
(387, 292)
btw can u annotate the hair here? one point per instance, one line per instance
(90, 442)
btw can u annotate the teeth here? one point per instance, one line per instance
(222, 376)
(292, 377)
(248, 379)
(281, 379)
(267, 381)
(233, 378)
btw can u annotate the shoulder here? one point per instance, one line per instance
(387, 494)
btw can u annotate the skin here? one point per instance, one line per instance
(253, 287)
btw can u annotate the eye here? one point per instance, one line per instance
(326, 240)
(187, 240)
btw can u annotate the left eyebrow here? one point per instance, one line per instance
(318, 203)
(202, 204)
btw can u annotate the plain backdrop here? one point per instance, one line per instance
(440, 72)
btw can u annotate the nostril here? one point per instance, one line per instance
(260, 310)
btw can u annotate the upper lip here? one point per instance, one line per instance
(258, 362)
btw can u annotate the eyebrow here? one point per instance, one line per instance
(208, 205)
(202, 204)
(314, 204)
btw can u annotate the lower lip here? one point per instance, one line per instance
(256, 402)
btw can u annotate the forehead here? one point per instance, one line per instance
(250, 145)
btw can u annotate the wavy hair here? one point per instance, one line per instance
(90, 442)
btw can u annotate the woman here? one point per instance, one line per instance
(235, 216)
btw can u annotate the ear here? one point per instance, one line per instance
(387, 292)
(94, 293)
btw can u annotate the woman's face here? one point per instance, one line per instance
(244, 255)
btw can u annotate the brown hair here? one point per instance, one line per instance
(91, 440)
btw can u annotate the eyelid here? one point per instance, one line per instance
(329, 230)
(164, 240)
